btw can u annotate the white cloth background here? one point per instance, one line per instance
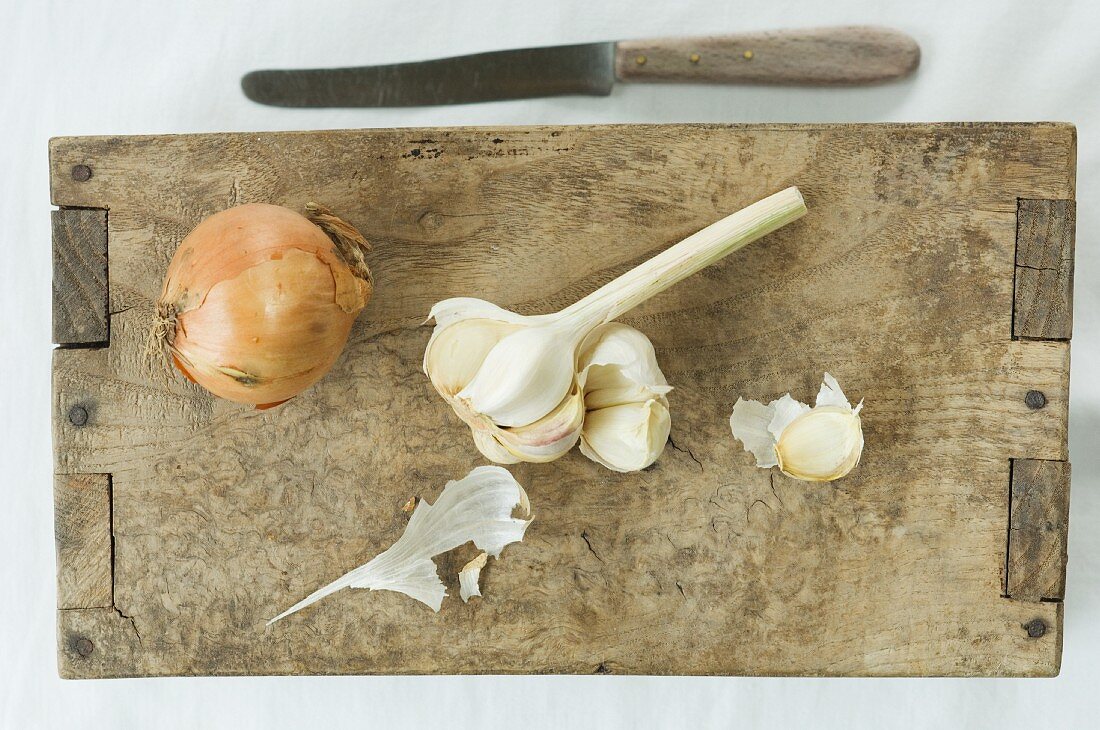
(138, 67)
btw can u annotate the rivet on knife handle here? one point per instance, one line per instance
(826, 56)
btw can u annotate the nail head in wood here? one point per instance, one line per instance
(84, 646)
(1036, 628)
(78, 416)
(1035, 399)
(82, 173)
(640, 60)
(694, 58)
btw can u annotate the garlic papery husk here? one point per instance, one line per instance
(816, 444)
(627, 422)
(499, 369)
(477, 507)
(468, 577)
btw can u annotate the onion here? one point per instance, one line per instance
(259, 300)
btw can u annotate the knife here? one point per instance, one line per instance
(823, 56)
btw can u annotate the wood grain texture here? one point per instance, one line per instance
(79, 277)
(1045, 232)
(814, 56)
(82, 531)
(899, 281)
(1039, 529)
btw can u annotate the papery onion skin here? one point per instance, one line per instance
(260, 301)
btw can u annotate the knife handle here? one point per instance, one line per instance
(816, 56)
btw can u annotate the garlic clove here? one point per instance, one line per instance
(627, 437)
(615, 354)
(547, 439)
(523, 377)
(491, 448)
(455, 353)
(821, 445)
(551, 436)
(617, 366)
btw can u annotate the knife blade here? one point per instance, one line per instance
(823, 56)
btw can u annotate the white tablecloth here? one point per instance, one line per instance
(131, 67)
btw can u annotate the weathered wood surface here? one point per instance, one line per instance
(79, 277)
(899, 281)
(1038, 530)
(811, 56)
(1044, 269)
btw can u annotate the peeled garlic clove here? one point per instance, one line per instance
(627, 437)
(821, 445)
(818, 444)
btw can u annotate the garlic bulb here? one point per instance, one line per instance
(816, 444)
(514, 379)
(627, 422)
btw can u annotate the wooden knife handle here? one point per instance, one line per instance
(816, 56)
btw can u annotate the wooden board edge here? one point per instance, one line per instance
(1035, 568)
(80, 277)
(99, 643)
(71, 166)
(84, 541)
(1043, 285)
(63, 141)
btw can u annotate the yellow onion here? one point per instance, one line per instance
(259, 300)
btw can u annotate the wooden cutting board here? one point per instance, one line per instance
(932, 276)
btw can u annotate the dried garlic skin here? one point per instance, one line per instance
(477, 508)
(468, 585)
(818, 444)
